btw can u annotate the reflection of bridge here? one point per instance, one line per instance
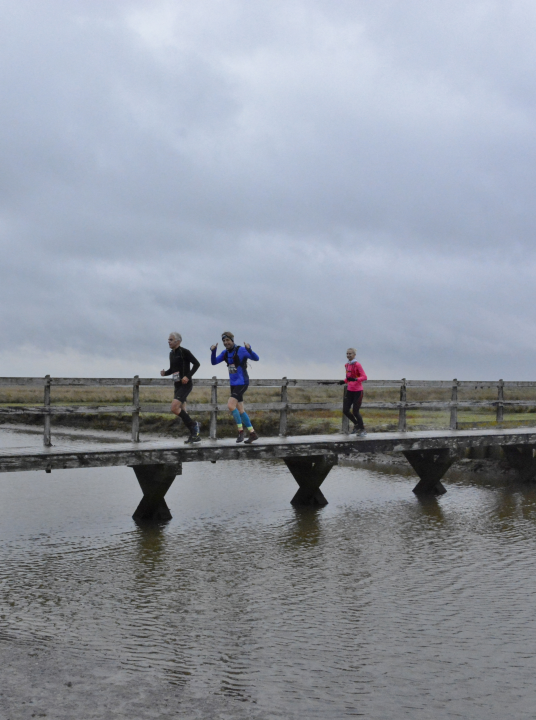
(309, 458)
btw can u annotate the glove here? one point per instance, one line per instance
(342, 382)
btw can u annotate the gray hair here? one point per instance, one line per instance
(176, 335)
(352, 350)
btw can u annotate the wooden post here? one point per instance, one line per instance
(454, 410)
(345, 421)
(430, 466)
(310, 473)
(155, 481)
(283, 411)
(500, 399)
(136, 411)
(213, 433)
(521, 458)
(402, 423)
(47, 442)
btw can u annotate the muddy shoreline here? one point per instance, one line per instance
(496, 467)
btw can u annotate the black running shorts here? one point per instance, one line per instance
(237, 392)
(182, 391)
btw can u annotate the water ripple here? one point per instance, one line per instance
(377, 606)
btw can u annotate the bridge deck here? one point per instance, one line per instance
(84, 454)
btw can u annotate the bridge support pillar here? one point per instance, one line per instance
(155, 481)
(310, 473)
(521, 458)
(430, 466)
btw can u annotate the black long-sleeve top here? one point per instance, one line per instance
(183, 362)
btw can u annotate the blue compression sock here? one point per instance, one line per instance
(236, 416)
(246, 421)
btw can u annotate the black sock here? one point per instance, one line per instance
(187, 420)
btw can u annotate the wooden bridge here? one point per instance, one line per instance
(309, 458)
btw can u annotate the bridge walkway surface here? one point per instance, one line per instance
(309, 458)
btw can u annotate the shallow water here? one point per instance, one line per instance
(378, 605)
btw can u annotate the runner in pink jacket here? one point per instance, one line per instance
(353, 397)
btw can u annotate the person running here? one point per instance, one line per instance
(353, 397)
(182, 365)
(236, 358)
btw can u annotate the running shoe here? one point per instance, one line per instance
(252, 437)
(194, 436)
(355, 430)
(362, 433)
(240, 437)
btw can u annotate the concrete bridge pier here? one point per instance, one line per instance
(521, 458)
(155, 481)
(430, 466)
(310, 472)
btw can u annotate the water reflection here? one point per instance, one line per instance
(150, 542)
(430, 507)
(380, 604)
(516, 502)
(305, 528)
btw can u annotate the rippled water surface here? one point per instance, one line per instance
(378, 605)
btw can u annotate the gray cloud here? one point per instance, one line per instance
(313, 175)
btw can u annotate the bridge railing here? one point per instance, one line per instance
(283, 406)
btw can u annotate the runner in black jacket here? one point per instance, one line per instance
(182, 365)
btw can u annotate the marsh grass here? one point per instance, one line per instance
(303, 422)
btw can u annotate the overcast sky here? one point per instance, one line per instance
(308, 174)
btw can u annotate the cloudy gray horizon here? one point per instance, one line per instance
(309, 175)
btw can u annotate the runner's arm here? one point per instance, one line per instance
(216, 360)
(195, 365)
(248, 352)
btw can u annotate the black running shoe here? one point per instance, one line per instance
(194, 434)
(240, 437)
(252, 437)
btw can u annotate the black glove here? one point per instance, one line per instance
(342, 382)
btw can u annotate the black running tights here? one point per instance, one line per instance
(350, 407)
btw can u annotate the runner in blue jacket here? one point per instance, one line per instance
(237, 358)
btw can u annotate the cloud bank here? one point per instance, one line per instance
(309, 175)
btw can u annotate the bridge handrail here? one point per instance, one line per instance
(283, 406)
(221, 382)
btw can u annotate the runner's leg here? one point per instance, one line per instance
(245, 420)
(356, 406)
(347, 403)
(187, 420)
(233, 405)
(178, 409)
